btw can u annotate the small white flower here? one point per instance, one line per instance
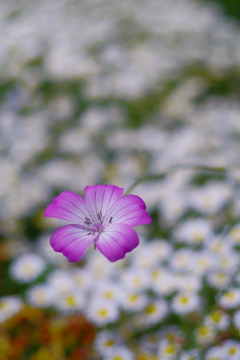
(210, 198)
(203, 263)
(193, 231)
(234, 234)
(218, 245)
(41, 295)
(165, 285)
(185, 303)
(108, 291)
(188, 283)
(154, 312)
(121, 353)
(230, 300)
(9, 305)
(132, 301)
(81, 278)
(205, 335)
(231, 348)
(102, 312)
(183, 260)
(172, 207)
(105, 342)
(236, 319)
(168, 350)
(135, 280)
(218, 280)
(218, 320)
(61, 281)
(190, 355)
(27, 267)
(161, 249)
(214, 353)
(71, 301)
(228, 262)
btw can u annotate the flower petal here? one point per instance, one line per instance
(129, 210)
(100, 198)
(72, 241)
(68, 206)
(116, 241)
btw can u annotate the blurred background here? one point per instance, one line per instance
(106, 92)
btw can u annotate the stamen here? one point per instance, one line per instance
(110, 221)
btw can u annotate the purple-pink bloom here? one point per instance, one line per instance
(104, 217)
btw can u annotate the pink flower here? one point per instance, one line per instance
(104, 217)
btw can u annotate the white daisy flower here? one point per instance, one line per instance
(9, 306)
(205, 335)
(218, 280)
(41, 295)
(70, 302)
(190, 355)
(132, 301)
(135, 279)
(144, 258)
(203, 263)
(108, 291)
(27, 267)
(154, 312)
(228, 262)
(230, 300)
(236, 319)
(168, 350)
(105, 342)
(183, 260)
(188, 283)
(210, 198)
(81, 278)
(161, 249)
(234, 234)
(102, 312)
(218, 320)
(215, 353)
(121, 353)
(165, 285)
(61, 281)
(218, 245)
(172, 207)
(185, 303)
(231, 348)
(193, 231)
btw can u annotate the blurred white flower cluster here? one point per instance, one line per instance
(99, 91)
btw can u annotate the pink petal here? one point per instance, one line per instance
(129, 210)
(68, 206)
(116, 241)
(72, 241)
(101, 198)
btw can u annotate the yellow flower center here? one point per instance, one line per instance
(216, 316)
(197, 237)
(150, 309)
(170, 349)
(71, 301)
(110, 342)
(2, 304)
(103, 312)
(27, 269)
(133, 298)
(108, 294)
(230, 296)
(184, 299)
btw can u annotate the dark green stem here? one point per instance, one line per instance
(200, 168)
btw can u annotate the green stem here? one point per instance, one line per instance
(201, 168)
